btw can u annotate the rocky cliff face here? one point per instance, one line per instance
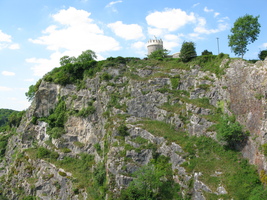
(104, 127)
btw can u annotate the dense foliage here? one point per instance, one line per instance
(188, 51)
(263, 54)
(230, 132)
(159, 54)
(206, 52)
(10, 118)
(32, 90)
(4, 114)
(153, 181)
(245, 31)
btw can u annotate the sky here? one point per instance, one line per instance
(34, 35)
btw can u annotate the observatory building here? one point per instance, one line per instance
(154, 45)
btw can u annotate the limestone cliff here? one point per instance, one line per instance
(87, 142)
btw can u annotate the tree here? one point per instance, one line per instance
(263, 54)
(206, 52)
(86, 56)
(245, 31)
(32, 90)
(159, 54)
(66, 60)
(188, 51)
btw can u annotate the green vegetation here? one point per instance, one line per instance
(4, 114)
(207, 156)
(9, 118)
(159, 54)
(230, 132)
(188, 51)
(3, 145)
(32, 90)
(123, 130)
(153, 181)
(263, 54)
(85, 112)
(206, 52)
(245, 31)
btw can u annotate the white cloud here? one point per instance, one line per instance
(264, 45)
(171, 41)
(6, 42)
(196, 4)
(42, 65)
(113, 3)
(170, 19)
(138, 45)
(201, 27)
(6, 73)
(4, 89)
(14, 46)
(75, 32)
(127, 31)
(155, 31)
(4, 37)
(216, 14)
(208, 10)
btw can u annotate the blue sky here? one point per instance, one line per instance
(34, 35)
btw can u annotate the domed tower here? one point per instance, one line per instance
(154, 45)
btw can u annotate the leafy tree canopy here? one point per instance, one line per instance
(159, 54)
(188, 51)
(263, 54)
(245, 31)
(206, 52)
(85, 57)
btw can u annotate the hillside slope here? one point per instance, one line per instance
(133, 129)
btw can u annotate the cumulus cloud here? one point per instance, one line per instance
(171, 41)
(43, 65)
(73, 31)
(155, 31)
(170, 19)
(138, 45)
(127, 31)
(6, 73)
(264, 45)
(76, 31)
(6, 42)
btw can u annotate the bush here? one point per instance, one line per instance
(206, 52)
(43, 152)
(263, 54)
(188, 51)
(123, 130)
(159, 54)
(106, 76)
(230, 132)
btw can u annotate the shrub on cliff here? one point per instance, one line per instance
(188, 51)
(230, 132)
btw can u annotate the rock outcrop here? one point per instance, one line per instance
(186, 99)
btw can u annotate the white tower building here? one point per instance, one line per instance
(154, 45)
